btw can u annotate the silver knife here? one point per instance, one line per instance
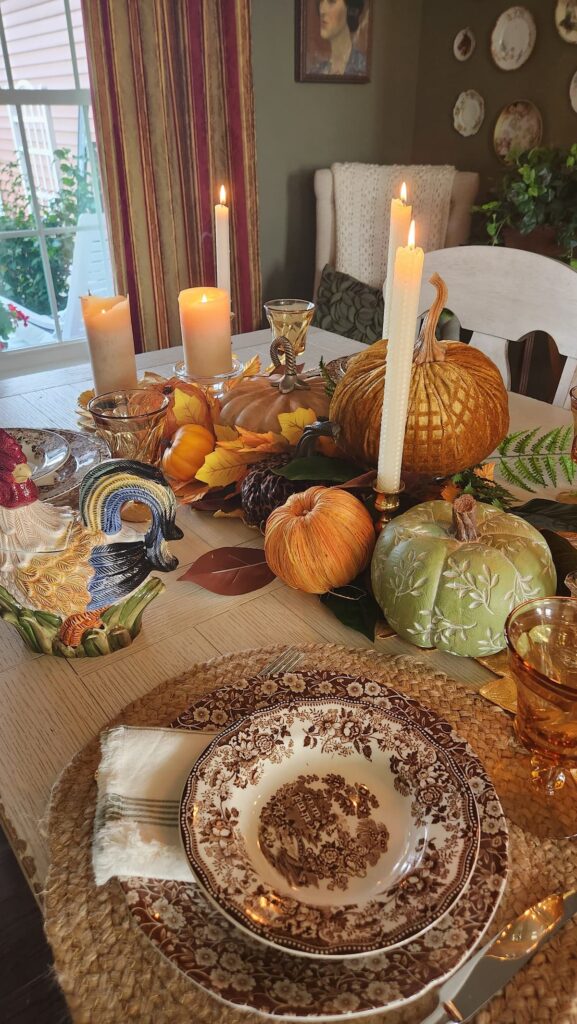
(489, 970)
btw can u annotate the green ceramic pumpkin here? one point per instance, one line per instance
(437, 590)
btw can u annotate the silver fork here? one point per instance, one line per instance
(282, 663)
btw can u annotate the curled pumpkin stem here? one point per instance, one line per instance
(465, 517)
(429, 350)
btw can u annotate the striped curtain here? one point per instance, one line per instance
(173, 107)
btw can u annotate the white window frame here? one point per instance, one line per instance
(63, 351)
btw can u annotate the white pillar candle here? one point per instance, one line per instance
(398, 231)
(408, 271)
(110, 342)
(205, 326)
(222, 234)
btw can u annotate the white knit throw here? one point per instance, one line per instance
(363, 194)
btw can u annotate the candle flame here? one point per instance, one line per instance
(404, 192)
(204, 298)
(222, 194)
(412, 235)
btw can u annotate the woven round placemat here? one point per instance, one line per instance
(110, 972)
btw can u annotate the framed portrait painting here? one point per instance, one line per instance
(333, 41)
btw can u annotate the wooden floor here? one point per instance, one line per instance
(29, 993)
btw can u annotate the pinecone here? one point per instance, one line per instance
(262, 490)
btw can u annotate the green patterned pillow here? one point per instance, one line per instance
(349, 307)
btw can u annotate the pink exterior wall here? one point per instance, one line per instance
(39, 51)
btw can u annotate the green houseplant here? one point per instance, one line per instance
(534, 205)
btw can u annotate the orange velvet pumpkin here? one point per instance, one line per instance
(458, 406)
(187, 451)
(319, 539)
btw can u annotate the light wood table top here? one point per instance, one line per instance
(49, 707)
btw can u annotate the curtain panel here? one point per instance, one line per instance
(174, 115)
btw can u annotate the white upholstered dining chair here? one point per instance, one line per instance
(505, 294)
(463, 195)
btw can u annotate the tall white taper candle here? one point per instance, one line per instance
(222, 235)
(398, 231)
(408, 272)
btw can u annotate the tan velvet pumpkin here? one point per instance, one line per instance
(319, 539)
(458, 407)
(256, 404)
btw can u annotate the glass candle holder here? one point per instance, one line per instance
(290, 318)
(542, 643)
(131, 422)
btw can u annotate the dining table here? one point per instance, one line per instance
(51, 707)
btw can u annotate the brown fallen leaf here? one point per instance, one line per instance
(230, 571)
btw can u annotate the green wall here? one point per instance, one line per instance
(303, 126)
(544, 79)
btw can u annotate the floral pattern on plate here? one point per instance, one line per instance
(518, 128)
(464, 44)
(566, 20)
(44, 450)
(513, 38)
(239, 971)
(423, 828)
(468, 113)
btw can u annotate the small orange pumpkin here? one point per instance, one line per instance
(319, 539)
(187, 451)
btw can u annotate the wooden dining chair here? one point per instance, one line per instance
(504, 295)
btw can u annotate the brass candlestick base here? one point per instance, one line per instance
(386, 505)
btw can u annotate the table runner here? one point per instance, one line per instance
(109, 971)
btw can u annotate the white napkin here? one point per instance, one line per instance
(140, 781)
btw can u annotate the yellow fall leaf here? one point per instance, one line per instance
(189, 492)
(450, 491)
(223, 433)
(486, 471)
(237, 513)
(250, 369)
(223, 467)
(191, 408)
(293, 423)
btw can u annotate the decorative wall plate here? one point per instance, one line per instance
(239, 971)
(329, 829)
(566, 20)
(85, 451)
(518, 128)
(45, 450)
(464, 43)
(573, 92)
(468, 112)
(513, 38)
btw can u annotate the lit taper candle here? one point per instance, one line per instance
(408, 271)
(222, 234)
(398, 231)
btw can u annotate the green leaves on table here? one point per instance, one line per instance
(354, 606)
(529, 459)
(320, 468)
(230, 571)
(549, 515)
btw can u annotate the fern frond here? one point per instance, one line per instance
(525, 441)
(550, 467)
(523, 468)
(512, 478)
(330, 384)
(566, 439)
(568, 468)
(508, 442)
(552, 443)
(537, 470)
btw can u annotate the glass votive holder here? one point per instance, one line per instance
(290, 319)
(131, 422)
(542, 641)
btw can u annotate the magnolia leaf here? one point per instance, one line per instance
(222, 467)
(224, 433)
(355, 607)
(319, 467)
(216, 499)
(293, 423)
(564, 556)
(230, 571)
(548, 515)
(364, 480)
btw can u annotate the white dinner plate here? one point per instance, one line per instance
(468, 112)
(513, 38)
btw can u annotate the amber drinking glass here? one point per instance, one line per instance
(131, 422)
(290, 319)
(542, 641)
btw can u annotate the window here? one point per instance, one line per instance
(53, 243)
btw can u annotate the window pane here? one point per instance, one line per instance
(22, 286)
(38, 45)
(79, 265)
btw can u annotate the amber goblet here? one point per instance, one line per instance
(542, 642)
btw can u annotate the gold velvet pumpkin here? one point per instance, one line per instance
(458, 407)
(319, 539)
(256, 404)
